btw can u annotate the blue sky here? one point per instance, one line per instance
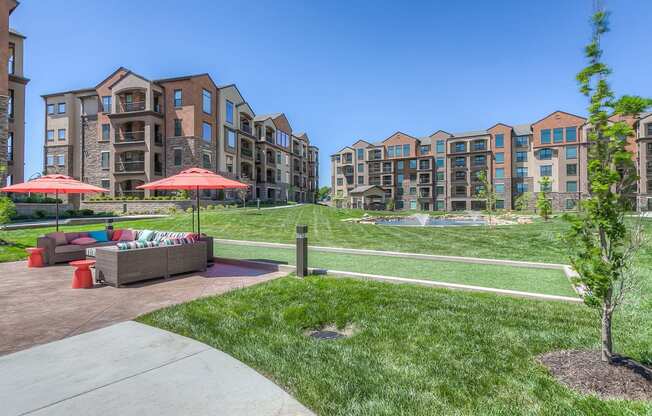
(341, 70)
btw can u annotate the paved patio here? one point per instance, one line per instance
(38, 306)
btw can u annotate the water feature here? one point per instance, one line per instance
(425, 220)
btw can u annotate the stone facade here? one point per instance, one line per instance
(4, 134)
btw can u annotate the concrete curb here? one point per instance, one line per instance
(398, 280)
(433, 257)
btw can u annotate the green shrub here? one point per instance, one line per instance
(40, 214)
(7, 210)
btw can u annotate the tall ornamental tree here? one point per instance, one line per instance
(543, 203)
(601, 244)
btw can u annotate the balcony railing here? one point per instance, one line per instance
(246, 128)
(130, 166)
(158, 139)
(130, 136)
(245, 151)
(125, 107)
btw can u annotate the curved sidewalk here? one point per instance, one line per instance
(134, 369)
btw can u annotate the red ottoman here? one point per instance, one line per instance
(82, 278)
(35, 258)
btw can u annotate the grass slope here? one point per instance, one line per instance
(418, 351)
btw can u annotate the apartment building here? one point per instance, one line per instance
(440, 171)
(129, 130)
(12, 99)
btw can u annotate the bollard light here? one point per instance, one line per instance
(302, 250)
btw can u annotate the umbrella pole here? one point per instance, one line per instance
(198, 227)
(56, 200)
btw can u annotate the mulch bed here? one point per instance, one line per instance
(584, 371)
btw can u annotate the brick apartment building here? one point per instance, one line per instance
(129, 130)
(439, 172)
(12, 99)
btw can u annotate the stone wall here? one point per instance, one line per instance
(93, 172)
(4, 133)
(139, 206)
(29, 209)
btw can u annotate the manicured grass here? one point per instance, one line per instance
(418, 351)
(552, 282)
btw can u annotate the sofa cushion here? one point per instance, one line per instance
(72, 236)
(100, 235)
(127, 235)
(116, 235)
(81, 241)
(146, 235)
(130, 245)
(59, 238)
(68, 248)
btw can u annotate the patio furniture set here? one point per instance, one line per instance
(125, 256)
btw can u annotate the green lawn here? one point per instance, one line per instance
(418, 351)
(552, 282)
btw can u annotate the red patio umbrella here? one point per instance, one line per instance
(195, 179)
(54, 184)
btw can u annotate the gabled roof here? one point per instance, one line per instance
(499, 124)
(343, 149)
(122, 68)
(185, 78)
(264, 117)
(471, 133)
(440, 131)
(232, 87)
(399, 132)
(79, 91)
(558, 111)
(363, 189)
(125, 75)
(523, 129)
(361, 141)
(14, 32)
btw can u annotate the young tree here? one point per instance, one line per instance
(488, 194)
(543, 203)
(602, 245)
(522, 202)
(323, 192)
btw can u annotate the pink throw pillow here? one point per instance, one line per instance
(81, 241)
(116, 235)
(127, 235)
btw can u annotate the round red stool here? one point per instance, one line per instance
(83, 278)
(35, 258)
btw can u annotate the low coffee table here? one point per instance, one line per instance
(35, 258)
(83, 277)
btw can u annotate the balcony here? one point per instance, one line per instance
(130, 106)
(135, 166)
(158, 139)
(246, 152)
(130, 137)
(246, 127)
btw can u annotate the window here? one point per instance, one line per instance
(521, 187)
(50, 160)
(178, 156)
(648, 128)
(10, 104)
(521, 172)
(360, 153)
(545, 170)
(398, 151)
(500, 204)
(500, 188)
(229, 112)
(105, 183)
(571, 169)
(460, 176)
(522, 141)
(441, 146)
(399, 165)
(413, 190)
(11, 59)
(406, 150)
(570, 204)
(439, 189)
(479, 160)
(500, 173)
(571, 152)
(178, 98)
(521, 156)
(413, 163)
(50, 109)
(206, 161)
(360, 180)
(500, 140)
(360, 167)
(424, 149)
(278, 159)
(62, 160)
(460, 147)
(440, 176)
(106, 132)
(230, 139)
(282, 138)
(105, 159)
(50, 135)
(546, 188)
(571, 186)
(178, 127)
(206, 101)
(400, 178)
(460, 162)
(558, 135)
(340, 181)
(545, 136)
(10, 146)
(440, 162)
(106, 104)
(61, 108)
(545, 154)
(61, 134)
(479, 145)
(207, 132)
(500, 157)
(390, 151)
(571, 134)
(413, 204)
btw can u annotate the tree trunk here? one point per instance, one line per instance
(607, 344)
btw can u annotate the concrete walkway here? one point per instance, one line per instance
(38, 305)
(133, 369)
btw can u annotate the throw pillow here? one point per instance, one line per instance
(99, 236)
(59, 238)
(127, 235)
(145, 235)
(83, 241)
(116, 235)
